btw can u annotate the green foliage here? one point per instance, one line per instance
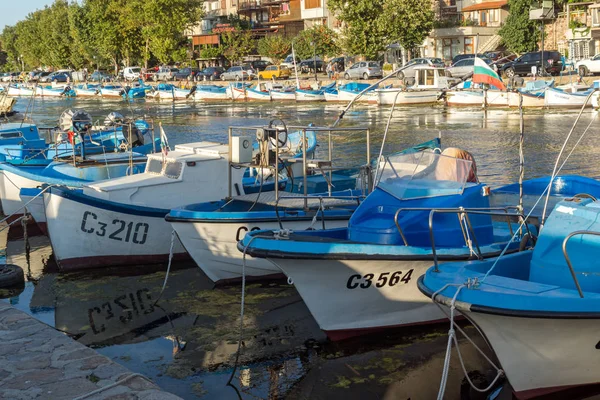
(319, 39)
(91, 32)
(362, 32)
(519, 34)
(211, 52)
(237, 45)
(371, 25)
(406, 22)
(275, 46)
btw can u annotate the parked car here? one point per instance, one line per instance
(522, 65)
(100, 76)
(60, 77)
(210, 73)
(289, 61)
(364, 70)
(39, 75)
(307, 66)
(408, 71)
(588, 66)
(6, 77)
(275, 72)
(464, 67)
(463, 56)
(165, 74)
(259, 65)
(132, 73)
(341, 61)
(238, 72)
(183, 74)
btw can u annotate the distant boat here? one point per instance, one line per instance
(210, 92)
(348, 92)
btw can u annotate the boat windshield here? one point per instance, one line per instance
(169, 168)
(423, 174)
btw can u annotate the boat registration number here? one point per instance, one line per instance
(119, 230)
(124, 308)
(384, 279)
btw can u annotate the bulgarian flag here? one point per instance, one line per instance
(482, 73)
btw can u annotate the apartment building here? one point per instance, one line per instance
(464, 27)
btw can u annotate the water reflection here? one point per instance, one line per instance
(187, 342)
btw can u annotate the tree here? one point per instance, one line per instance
(362, 33)
(519, 33)
(407, 22)
(318, 39)
(274, 46)
(237, 45)
(211, 52)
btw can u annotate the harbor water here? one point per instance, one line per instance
(186, 339)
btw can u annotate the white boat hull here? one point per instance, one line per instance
(10, 187)
(236, 93)
(595, 100)
(345, 304)
(542, 355)
(389, 96)
(213, 246)
(529, 100)
(304, 96)
(206, 95)
(85, 236)
(555, 98)
(464, 98)
(256, 95)
(111, 92)
(283, 96)
(331, 97)
(87, 92)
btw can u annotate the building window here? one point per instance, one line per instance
(468, 45)
(312, 4)
(595, 17)
(494, 15)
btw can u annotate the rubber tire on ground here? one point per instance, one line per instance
(11, 275)
(238, 78)
(583, 71)
(223, 78)
(346, 77)
(365, 76)
(400, 75)
(509, 72)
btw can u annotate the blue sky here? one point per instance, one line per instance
(15, 10)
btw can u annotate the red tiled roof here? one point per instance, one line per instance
(486, 5)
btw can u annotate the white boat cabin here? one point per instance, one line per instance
(428, 77)
(194, 172)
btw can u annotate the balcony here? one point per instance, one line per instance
(251, 6)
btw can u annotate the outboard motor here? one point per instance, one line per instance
(132, 134)
(113, 119)
(192, 91)
(76, 122)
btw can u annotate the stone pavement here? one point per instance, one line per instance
(39, 362)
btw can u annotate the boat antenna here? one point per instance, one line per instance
(587, 99)
(387, 128)
(385, 78)
(521, 154)
(29, 105)
(295, 66)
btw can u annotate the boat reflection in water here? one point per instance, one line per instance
(203, 323)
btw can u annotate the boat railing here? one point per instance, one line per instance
(306, 164)
(342, 201)
(568, 259)
(467, 229)
(469, 232)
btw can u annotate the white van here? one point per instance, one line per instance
(132, 73)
